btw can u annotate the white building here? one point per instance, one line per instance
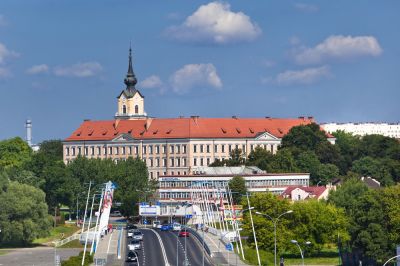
(362, 129)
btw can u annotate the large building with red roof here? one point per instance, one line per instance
(172, 146)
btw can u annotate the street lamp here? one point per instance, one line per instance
(274, 221)
(301, 251)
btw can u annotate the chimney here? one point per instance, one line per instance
(28, 125)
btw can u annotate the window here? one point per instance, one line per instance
(116, 150)
(130, 150)
(164, 148)
(171, 148)
(105, 150)
(67, 151)
(98, 150)
(201, 161)
(172, 162)
(195, 148)
(184, 148)
(208, 148)
(136, 109)
(151, 174)
(223, 148)
(202, 148)
(251, 147)
(123, 151)
(151, 162)
(208, 161)
(178, 149)
(158, 149)
(178, 162)
(230, 147)
(243, 148)
(92, 150)
(236, 146)
(110, 151)
(79, 150)
(184, 161)
(124, 109)
(136, 149)
(164, 162)
(158, 162)
(144, 149)
(215, 148)
(195, 162)
(150, 149)
(272, 148)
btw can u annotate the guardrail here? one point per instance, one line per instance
(198, 236)
(66, 240)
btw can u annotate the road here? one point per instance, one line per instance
(152, 254)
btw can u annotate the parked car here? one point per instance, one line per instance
(165, 227)
(131, 232)
(132, 256)
(115, 214)
(176, 227)
(138, 235)
(134, 245)
(183, 233)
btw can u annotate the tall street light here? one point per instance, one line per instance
(301, 251)
(274, 221)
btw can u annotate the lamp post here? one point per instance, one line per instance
(252, 226)
(274, 221)
(301, 251)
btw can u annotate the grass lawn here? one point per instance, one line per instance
(267, 258)
(74, 244)
(3, 252)
(56, 233)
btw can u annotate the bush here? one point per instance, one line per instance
(77, 260)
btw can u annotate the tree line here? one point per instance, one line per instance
(34, 185)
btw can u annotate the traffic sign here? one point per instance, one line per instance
(145, 222)
(229, 247)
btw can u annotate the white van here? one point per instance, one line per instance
(176, 227)
(156, 224)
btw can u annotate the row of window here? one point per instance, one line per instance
(157, 174)
(158, 162)
(124, 150)
(157, 149)
(249, 183)
(205, 148)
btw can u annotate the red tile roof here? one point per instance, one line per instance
(314, 190)
(194, 127)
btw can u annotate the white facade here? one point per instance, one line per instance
(362, 129)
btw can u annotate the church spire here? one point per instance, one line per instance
(130, 79)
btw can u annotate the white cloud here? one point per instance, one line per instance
(151, 82)
(38, 69)
(5, 53)
(194, 75)
(80, 70)
(306, 7)
(305, 76)
(339, 47)
(4, 73)
(215, 23)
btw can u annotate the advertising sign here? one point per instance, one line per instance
(146, 210)
(233, 213)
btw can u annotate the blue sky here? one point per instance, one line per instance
(65, 61)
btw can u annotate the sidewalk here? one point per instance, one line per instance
(107, 252)
(219, 254)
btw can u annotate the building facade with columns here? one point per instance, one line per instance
(172, 146)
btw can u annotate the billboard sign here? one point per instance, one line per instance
(146, 210)
(234, 212)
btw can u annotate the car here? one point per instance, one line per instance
(183, 233)
(138, 235)
(156, 224)
(165, 227)
(130, 232)
(132, 256)
(134, 245)
(131, 226)
(115, 214)
(176, 227)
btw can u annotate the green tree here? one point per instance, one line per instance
(349, 147)
(52, 149)
(307, 161)
(379, 146)
(328, 153)
(325, 174)
(259, 157)
(368, 166)
(283, 162)
(14, 153)
(238, 187)
(25, 177)
(304, 137)
(23, 215)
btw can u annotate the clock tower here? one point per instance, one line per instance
(130, 100)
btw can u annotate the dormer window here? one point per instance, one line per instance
(136, 109)
(124, 109)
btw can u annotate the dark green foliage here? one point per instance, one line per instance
(52, 149)
(23, 215)
(237, 158)
(259, 157)
(306, 137)
(238, 187)
(77, 260)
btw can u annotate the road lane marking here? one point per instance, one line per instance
(109, 242)
(162, 247)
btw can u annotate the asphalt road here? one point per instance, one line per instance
(151, 253)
